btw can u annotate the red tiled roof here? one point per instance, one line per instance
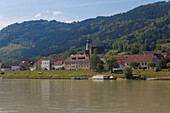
(140, 58)
(6, 65)
(54, 58)
(121, 59)
(78, 58)
(58, 63)
(30, 60)
(16, 63)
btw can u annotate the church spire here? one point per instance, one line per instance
(87, 45)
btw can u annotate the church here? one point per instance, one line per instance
(82, 62)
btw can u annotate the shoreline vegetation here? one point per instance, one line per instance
(85, 74)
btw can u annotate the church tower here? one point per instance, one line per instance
(87, 51)
(87, 45)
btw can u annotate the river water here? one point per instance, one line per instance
(84, 96)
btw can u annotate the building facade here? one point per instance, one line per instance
(142, 60)
(45, 64)
(77, 62)
(58, 65)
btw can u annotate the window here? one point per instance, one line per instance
(73, 62)
(81, 58)
(74, 58)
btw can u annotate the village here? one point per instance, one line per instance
(82, 61)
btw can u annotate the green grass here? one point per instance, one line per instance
(151, 73)
(50, 74)
(78, 73)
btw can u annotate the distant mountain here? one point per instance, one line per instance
(143, 25)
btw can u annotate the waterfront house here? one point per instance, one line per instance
(28, 64)
(45, 64)
(15, 66)
(121, 61)
(58, 65)
(142, 60)
(6, 67)
(48, 62)
(76, 62)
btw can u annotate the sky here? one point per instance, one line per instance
(12, 11)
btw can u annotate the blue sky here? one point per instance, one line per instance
(12, 11)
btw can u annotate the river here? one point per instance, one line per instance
(84, 96)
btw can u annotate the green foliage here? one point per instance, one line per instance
(163, 62)
(110, 61)
(94, 60)
(145, 26)
(100, 67)
(135, 49)
(168, 65)
(128, 72)
(158, 69)
(134, 64)
(151, 64)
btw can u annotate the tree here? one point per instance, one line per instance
(135, 49)
(134, 64)
(94, 60)
(168, 65)
(151, 64)
(128, 72)
(163, 62)
(100, 67)
(110, 61)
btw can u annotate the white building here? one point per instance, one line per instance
(142, 60)
(45, 64)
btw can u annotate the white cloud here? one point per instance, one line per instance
(37, 15)
(57, 13)
(47, 11)
(69, 21)
(2, 17)
(5, 22)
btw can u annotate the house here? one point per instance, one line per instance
(37, 65)
(23, 66)
(54, 59)
(6, 67)
(58, 65)
(15, 66)
(76, 62)
(121, 61)
(48, 62)
(45, 64)
(28, 64)
(142, 60)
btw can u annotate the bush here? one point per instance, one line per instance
(128, 72)
(118, 71)
(158, 69)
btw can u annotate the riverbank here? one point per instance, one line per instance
(85, 74)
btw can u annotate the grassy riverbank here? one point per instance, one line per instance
(52, 74)
(56, 74)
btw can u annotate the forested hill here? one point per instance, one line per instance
(143, 26)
